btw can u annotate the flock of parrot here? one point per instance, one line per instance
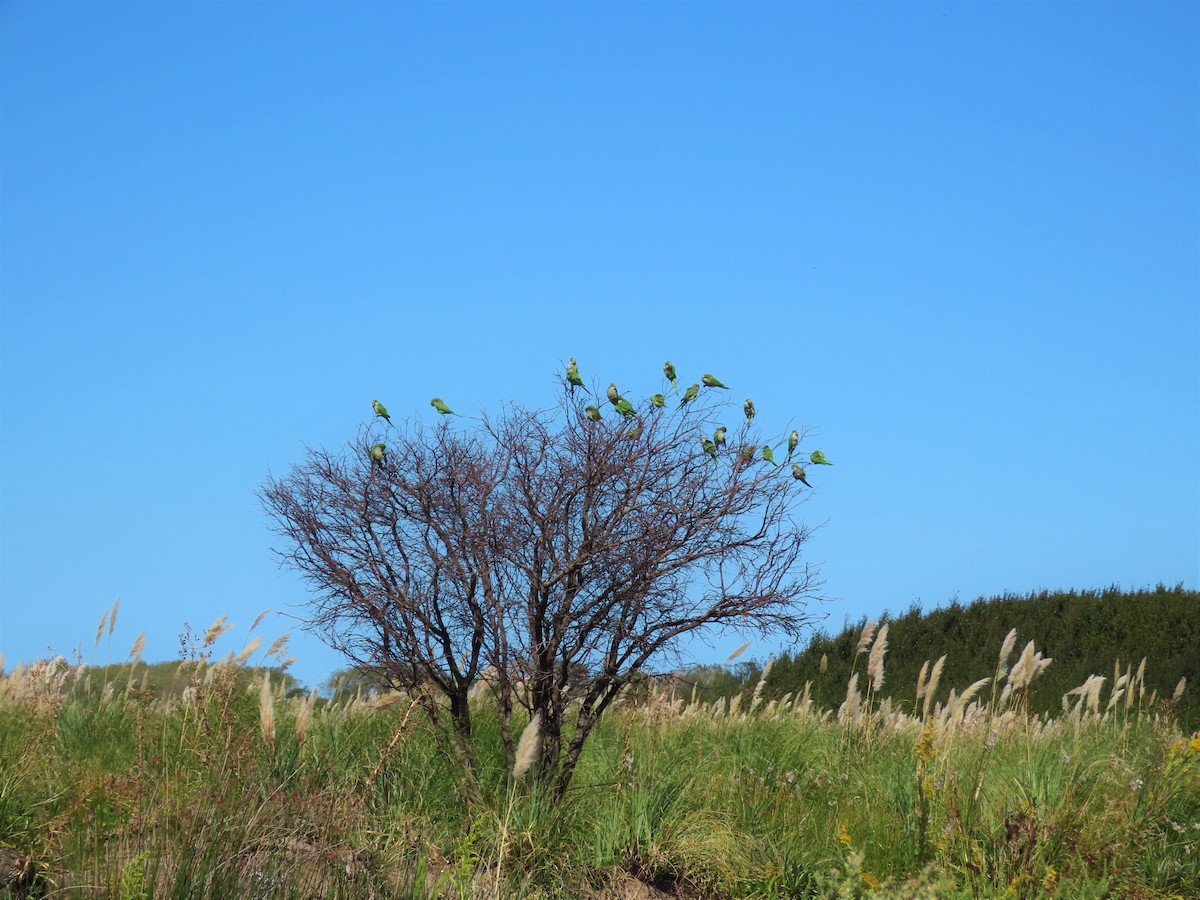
(659, 401)
(711, 446)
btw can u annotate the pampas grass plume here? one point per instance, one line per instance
(261, 616)
(215, 630)
(738, 652)
(527, 747)
(248, 650)
(875, 660)
(266, 710)
(931, 688)
(865, 638)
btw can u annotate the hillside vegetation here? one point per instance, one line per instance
(236, 786)
(1086, 633)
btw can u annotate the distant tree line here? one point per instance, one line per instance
(1085, 632)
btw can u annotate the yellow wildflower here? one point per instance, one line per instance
(1050, 881)
(844, 833)
(924, 746)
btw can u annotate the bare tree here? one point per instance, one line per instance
(541, 555)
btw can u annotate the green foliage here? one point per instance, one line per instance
(128, 794)
(1085, 632)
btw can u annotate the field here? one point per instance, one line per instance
(224, 785)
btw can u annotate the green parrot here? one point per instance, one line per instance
(793, 440)
(746, 454)
(441, 407)
(817, 458)
(748, 406)
(709, 447)
(633, 433)
(719, 436)
(378, 454)
(689, 395)
(669, 371)
(658, 400)
(710, 381)
(625, 408)
(593, 413)
(798, 474)
(768, 454)
(573, 375)
(613, 394)
(381, 411)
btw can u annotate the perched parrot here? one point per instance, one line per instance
(613, 394)
(719, 436)
(793, 440)
(658, 400)
(767, 454)
(748, 406)
(381, 411)
(378, 454)
(798, 474)
(669, 371)
(593, 413)
(746, 454)
(709, 447)
(573, 375)
(441, 407)
(633, 433)
(625, 408)
(710, 381)
(817, 458)
(689, 395)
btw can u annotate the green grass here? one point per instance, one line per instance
(129, 794)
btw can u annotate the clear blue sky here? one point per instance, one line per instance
(960, 241)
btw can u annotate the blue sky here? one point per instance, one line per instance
(958, 241)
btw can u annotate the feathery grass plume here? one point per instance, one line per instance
(804, 701)
(136, 653)
(1006, 649)
(1088, 694)
(875, 660)
(931, 688)
(1017, 676)
(266, 710)
(824, 663)
(921, 676)
(960, 704)
(1141, 680)
(262, 615)
(527, 747)
(287, 662)
(1, 663)
(850, 709)
(1179, 689)
(865, 638)
(762, 682)
(100, 630)
(217, 629)
(112, 616)
(277, 648)
(304, 717)
(248, 651)
(738, 652)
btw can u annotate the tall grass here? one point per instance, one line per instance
(223, 783)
